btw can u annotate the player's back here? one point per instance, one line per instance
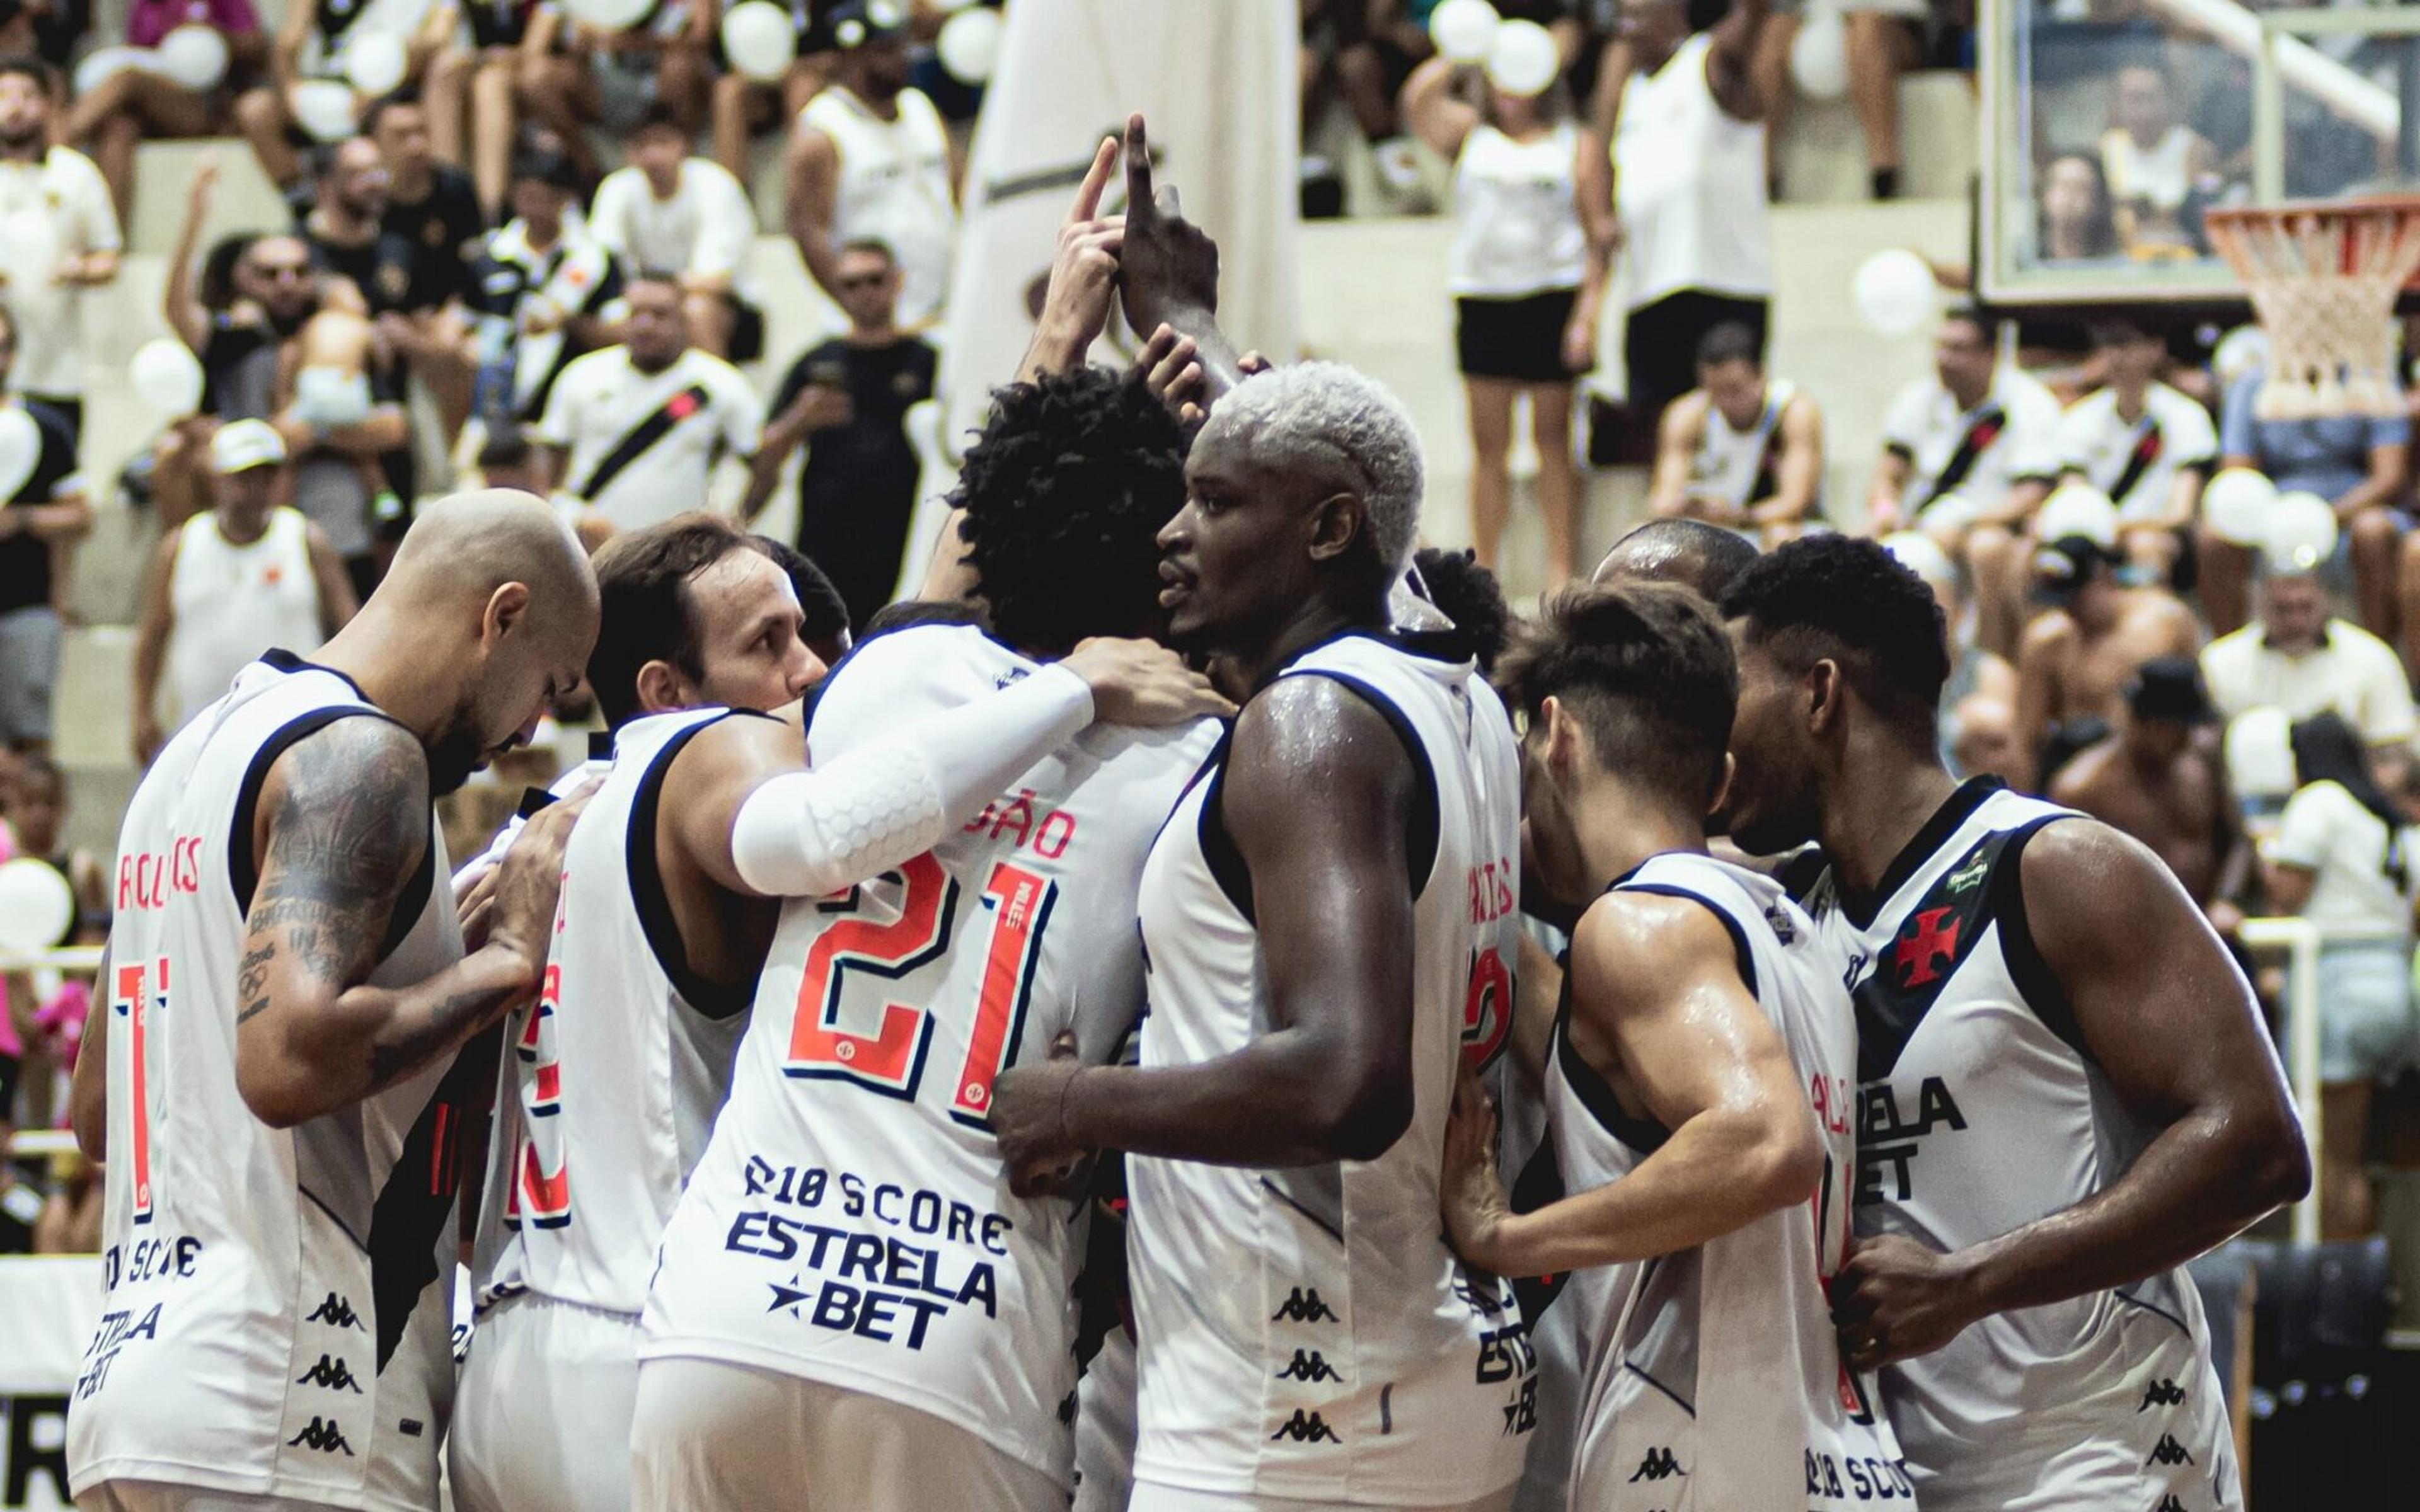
(1306, 1332)
(851, 1222)
(1716, 1379)
(272, 1322)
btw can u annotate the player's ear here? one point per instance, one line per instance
(1561, 733)
(1827, 692)
(505, 608)
(1723, 785)
(1336, 522)
(662, 687)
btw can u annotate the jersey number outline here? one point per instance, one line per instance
(1486, 1008)
(132, 1000)
(540, 1192)
(892, 1060)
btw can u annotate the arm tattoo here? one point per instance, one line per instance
(412, 1043)
(252, 978)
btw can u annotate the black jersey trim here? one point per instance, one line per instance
(1731, 926)
(2037, 986)
(2155, 1310)
(1642, 1136)
(1861, 907)
(1420, 837)
(1678, 1400)
(244, 874)
(287, 662)
(713, 1000)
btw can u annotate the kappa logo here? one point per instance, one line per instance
(1658, 1465)
(337, 1312)
(2161, 1393)
(1303, 1306)
(2169, 1451)
(1305, 1428)
(322, 1435)
(2170, 1502)
(1308, 1367)
(332, 1374)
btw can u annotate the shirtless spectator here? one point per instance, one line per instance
(309, 47)
(1740, 450)
(2080, 656)
(2162, 779)
(573, 75)
(115, 117)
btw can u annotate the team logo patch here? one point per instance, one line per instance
(1932, 941)
(682, 406)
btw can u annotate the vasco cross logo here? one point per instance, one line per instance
(2169, 1451)
(1303, 1307)
(1305, 1428)
(336, 1310)
(2160, 1392)
(1658, 1465)
(322, 1435)
(1916, 954)
(1311, 1367)
(332, 1374)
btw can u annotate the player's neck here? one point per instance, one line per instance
(1868, 819)
(386, 654)
(1318, 620)
(2130, 398)
(1622, 824)
(241, 526)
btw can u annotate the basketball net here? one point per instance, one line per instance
(2323, 279)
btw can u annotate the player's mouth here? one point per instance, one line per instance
(1175, 583)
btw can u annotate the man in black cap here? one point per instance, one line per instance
(2076, 659)
(2162, 779)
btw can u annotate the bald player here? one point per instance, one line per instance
(1686, 552)
(286, 989)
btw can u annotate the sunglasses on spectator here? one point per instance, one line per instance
(864, 280)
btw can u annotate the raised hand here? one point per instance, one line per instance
(1174, 377)
(1083, 275)
(1171, 266)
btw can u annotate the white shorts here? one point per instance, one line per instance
(542, 1418)
(1105, 1427)
(1149, 1497)
(159, 1496)
(710, 1436)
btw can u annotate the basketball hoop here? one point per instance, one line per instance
(2324, 277)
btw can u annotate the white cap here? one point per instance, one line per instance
(246, 444)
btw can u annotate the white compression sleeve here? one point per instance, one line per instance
(804, 834)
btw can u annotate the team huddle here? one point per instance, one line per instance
(1013, 1073)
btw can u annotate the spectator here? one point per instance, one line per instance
(231, 585)
(71, 1220)
(871, 161)
(2342, 859)
(112, 118)
(2157, 167)
(2081, 652)
(1739, 451)
(633, 431)
(2356, 462)
(21, 1200)
(544, 284)
(1978, 703)
(2145, 445)
(62, 239)
(37, 818)
(1688, 158)
(431, 206)
(1534, 230)
(744, 107)
(2075, 221)
(848, 400)
(37, 526)
(346, 229)
(687, 216)
(1881, 38)
(613, 78)
(343, 421)
(1372, 46)
(469, 93)
(2300, 660)
(310, 46)
(1968, 453)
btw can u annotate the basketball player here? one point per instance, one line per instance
(1687, 551)
(2066, 1089)
(1315, 913)
(621, 1065)
(289, 988)
(1702, 1018)
(852, 1310)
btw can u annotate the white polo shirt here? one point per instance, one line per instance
(1926, 425)
(703, 229)
(2353, 672)
(2174, 433)
(50, 211)
(601, 398)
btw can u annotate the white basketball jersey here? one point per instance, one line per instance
(276, 1320)
(612, 1075)
(1979, 1111)
(851, 1222)
(1714, 1379)
(1737, 466)
(1306, 1332)
(894, 188)
(234, 602)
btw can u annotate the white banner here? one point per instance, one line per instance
(47, 1309)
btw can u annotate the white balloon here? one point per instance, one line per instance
(1463, 29)
(36, 905)
(2301, 532)
(1818, 56)
(2077, 509)
(166, 377)
(1922, 555)
(2239, 352)
(1894, 291)
(610, 15)
(324, 108)
(195, 56)
(102, 62)
(760, 41)
(375, 62)
(21, 448)
(2236, 503)
(968, 45)
(1523, 59)
(2260, 749)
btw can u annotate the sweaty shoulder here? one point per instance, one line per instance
(1308, 740)
(2087, 884)
(1633, 948)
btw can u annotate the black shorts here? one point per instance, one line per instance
(1521, 339)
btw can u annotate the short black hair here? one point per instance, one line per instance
(659, 116)
(45, 78)
(645, 611)
(546, 166)
(824, 612)
(2117, 331)
(505, 447)
(215, 287)
(1064, 493)
(1470, 595)
(1847, 599)
(1687, 551)
(1733, 341)
(372, 112)
(1969, 315)
(1646, 669)
(873, 245)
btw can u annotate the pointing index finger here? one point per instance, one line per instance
(1096, 178)
(1138, 200)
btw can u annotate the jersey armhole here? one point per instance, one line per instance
(244, 874)
(1420, 837)
(654, 906)
(2037, 984)
(1644, 1136)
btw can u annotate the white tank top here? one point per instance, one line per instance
(1516, 230)
(851, 1222)
(1980, 1112)
(1738, 1330)
(2159, 173)
(1737, 466)
(1689, 187)
(611, 1077)
(274, 1323)
(895, 187)
(234, 602)
(1306, 1332)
